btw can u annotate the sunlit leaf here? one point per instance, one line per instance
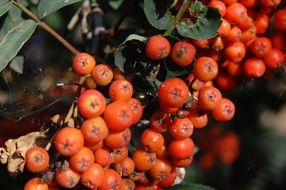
(13, 18)
(198, 7)
(4, 7)
(15, 15)
(35, 2)
(136, 37)
(46, 7)
(25, 2)
(119, 59)
(17, 64)
(206, 25)
(115, 4)
(14, 40)
(161, 21)
(191, 186)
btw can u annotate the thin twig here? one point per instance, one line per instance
(46, 27)
(70, 112)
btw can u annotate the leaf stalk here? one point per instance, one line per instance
(46, 27)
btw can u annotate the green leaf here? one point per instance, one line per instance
(206, 25)
(13, 18)
(171, 74)
(14, 40)
(136, 131)
(17, 64)
(46, 7)
(119, 59)
(24, 2)
(198, 7)
(157, 83)
(4, 28)
(4, 7)
(135, 37)
(115, 4)
(55, 21)
(191, 186)
(15, 15)
(161, 21)
(34, 2)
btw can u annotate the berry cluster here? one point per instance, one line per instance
(217, 146)
(248, 43)
(97, 151)
(174, 93)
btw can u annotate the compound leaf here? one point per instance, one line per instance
(46, 7)
(160, 19)
(4, 7)
(17, 64)
(14, 40)
(206, 25)
(115, 4)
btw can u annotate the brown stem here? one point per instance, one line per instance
(46, 27)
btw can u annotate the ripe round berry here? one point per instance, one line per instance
(37, 159)
(280, 19)
(118, 116)
(92, 177)
(235, 51)
(36, 183)
(199, 120)
(151, 141)
(181, 128)
(209, 97)
(67, 178)
(205, 69)
(260, 46)
(273, 59)
(83, 63)
(68, 141)
(254, 67)
(102, 74)
(120, 90)
(173, 92)
(81, 161)
(91, 103)
(161, 169)
(157, 47)
(180, 149)
(111, 180)
(224, 111)
(183, 53)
